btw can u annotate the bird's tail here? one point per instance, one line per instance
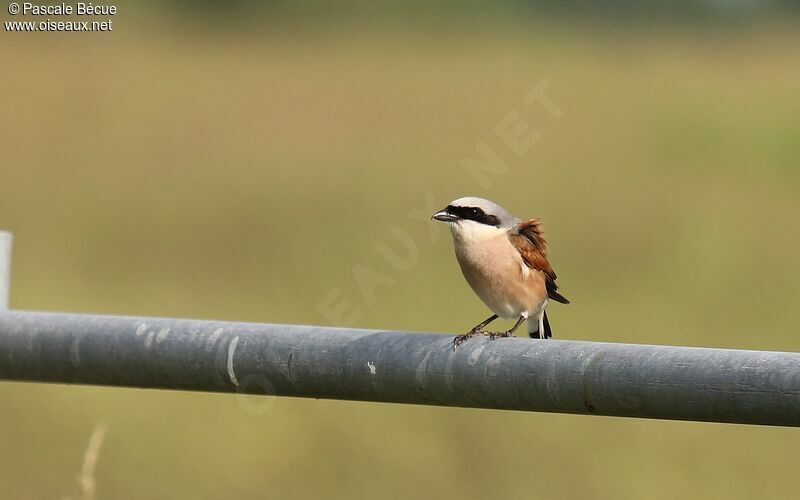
(533, 328)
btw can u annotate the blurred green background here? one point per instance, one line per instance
(238, 161)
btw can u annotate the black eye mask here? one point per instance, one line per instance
(474, 213)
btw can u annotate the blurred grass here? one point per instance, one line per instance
(242, 177)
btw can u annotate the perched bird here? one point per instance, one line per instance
(504, 260)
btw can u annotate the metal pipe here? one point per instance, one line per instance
(680, 383)
(5, 268)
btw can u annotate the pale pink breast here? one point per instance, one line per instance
(494, 270)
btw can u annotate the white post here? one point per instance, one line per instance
(5, 268)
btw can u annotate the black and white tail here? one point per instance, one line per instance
(534, 326)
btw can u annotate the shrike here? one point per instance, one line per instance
(504, 260)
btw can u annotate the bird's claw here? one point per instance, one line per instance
(499, 335)
(460, 339)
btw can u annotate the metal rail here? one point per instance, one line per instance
(715, 385)
(680, 383)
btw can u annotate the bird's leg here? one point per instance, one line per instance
(507, 333)
(480, 326)
(460, 339)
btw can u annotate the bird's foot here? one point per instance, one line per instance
(500, 335)
(460, 339)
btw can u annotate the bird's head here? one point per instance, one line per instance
(474, 217)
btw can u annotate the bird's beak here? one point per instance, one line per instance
(444, 216)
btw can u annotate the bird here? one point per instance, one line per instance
(504, 260)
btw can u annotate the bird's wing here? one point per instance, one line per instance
(528, 238)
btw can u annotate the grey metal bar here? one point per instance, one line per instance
(5, 268)
(682, 383)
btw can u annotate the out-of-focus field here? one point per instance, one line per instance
(243, 178)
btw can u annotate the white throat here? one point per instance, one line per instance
(468, 230)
